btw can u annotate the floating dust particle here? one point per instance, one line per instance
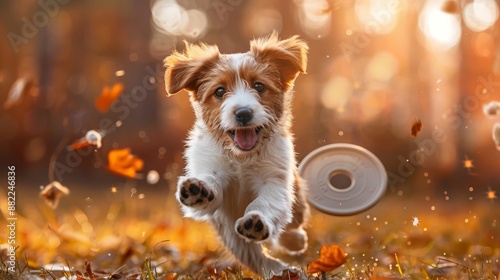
(468, 163)
(415, 221)
(490, 194)
(120, 73)
(153, 177)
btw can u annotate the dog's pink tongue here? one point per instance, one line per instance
(245, 138)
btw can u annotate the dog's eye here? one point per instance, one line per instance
(219, 92)
(259, 87)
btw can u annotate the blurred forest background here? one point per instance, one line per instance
(375, 66)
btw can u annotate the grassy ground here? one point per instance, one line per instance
(129, 237)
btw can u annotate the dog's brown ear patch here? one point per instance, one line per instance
(185, 69)
(289, 55)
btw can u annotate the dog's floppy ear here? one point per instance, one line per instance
(289, 55)
(185, 69)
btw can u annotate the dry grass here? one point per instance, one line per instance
(147, 239)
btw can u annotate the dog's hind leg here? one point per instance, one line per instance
(294, 237)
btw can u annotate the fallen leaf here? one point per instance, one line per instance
(212, 271)
(122, 162)
(450, 7)
(331, 257)
(53, 192)
(108, 96)
(170, 276)
(91, 138)
(491, 109)
(416, 127)
(19, 88)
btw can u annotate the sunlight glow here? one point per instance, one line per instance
(172, 19)
(491, 194)
(442, 30)
(381, 67)
(377, 16)
(315, 17)
(336, 93)
(480, 14)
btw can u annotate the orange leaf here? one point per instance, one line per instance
(108, 96)
(170, 276)
(450, 7)
(92, 138)
(53, 192)
(416, 127)
(331, 257)
(120, 161)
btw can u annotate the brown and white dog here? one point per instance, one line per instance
(241, 172)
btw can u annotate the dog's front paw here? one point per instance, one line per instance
(252, 227)
(193, 192)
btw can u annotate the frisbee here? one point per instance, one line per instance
(343, 179)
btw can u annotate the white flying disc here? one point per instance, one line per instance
(343, 179)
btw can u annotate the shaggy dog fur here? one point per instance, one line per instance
(241, 172)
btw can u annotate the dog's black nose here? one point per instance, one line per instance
(243, 115)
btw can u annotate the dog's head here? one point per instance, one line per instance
(243, 98)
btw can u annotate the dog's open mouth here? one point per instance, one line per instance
(245, 138)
